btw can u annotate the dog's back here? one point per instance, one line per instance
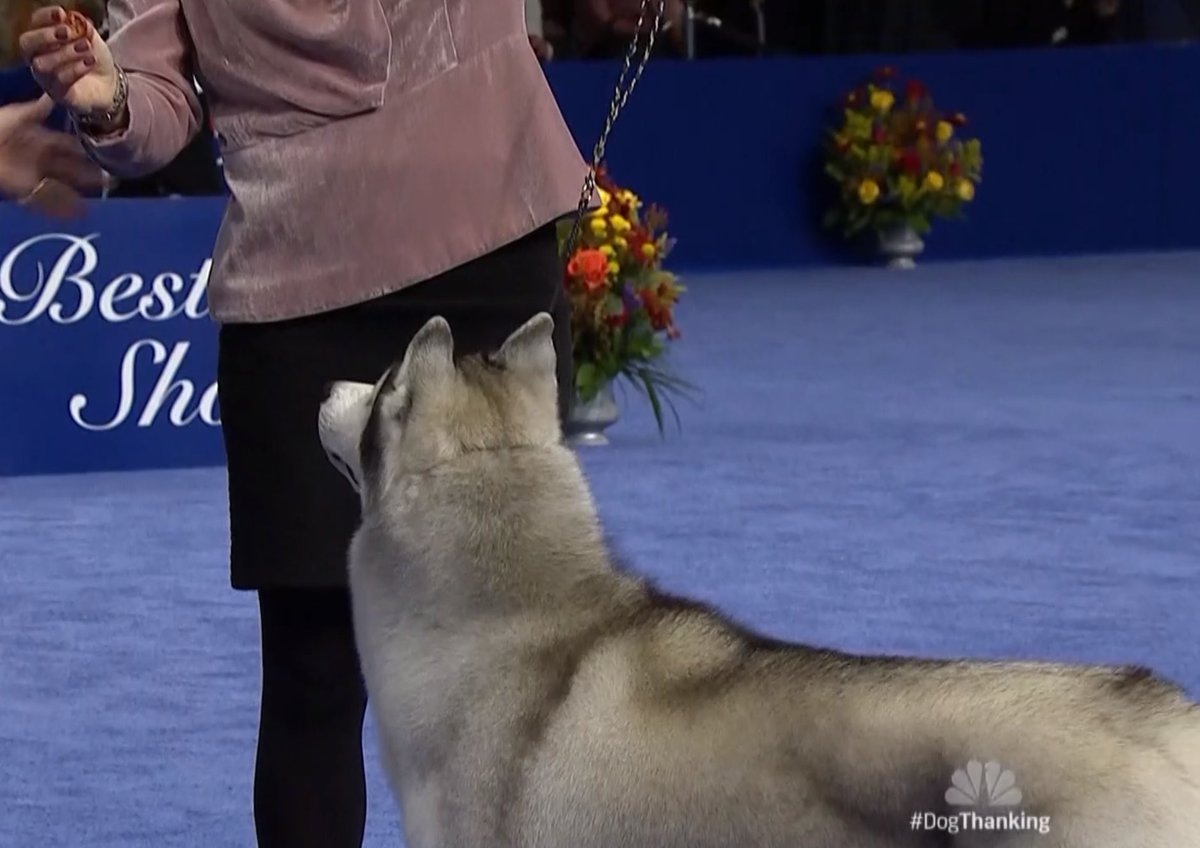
(681, 729)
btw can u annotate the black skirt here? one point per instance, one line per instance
(291, 514)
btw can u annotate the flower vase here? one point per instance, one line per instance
(589, 419)
(901, 246)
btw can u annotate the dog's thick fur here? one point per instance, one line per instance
(529, 693)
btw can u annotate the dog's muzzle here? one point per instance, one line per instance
(340, 423)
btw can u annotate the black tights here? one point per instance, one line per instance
(309, 783)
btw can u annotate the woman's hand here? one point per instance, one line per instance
(75, 69)
(40, 167)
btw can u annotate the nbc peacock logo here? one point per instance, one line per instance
(983, 785)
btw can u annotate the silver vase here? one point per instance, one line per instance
(901, 246)
(589, 419)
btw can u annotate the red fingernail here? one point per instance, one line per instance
(61, 33)
(89, 61)
(82, 47)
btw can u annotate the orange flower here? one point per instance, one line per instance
(590, 267)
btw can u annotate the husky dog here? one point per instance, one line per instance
(530, 693)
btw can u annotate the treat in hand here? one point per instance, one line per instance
(69, 60)
(77, 25)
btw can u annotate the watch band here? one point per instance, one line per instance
(101, 120)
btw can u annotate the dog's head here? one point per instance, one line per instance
(431, 407)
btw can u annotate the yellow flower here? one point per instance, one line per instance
(944, 131)
(604, 195)
(599, 225)
(607, 250)
(934, 181)
(966, 190)
(882, 99)
(630, 199)
(620, 243)
(614, 268)
(868, 191)
(619, 224)
(648, 250)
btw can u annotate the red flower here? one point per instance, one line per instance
(619, 319)
(915, 90)
(886, 72)
(659, 315)
(589, 267)
(958, 119)
(878, 135)
(910, 162)
(604, 181)
(955, 169)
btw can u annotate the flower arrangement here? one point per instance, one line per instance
(622, 298)
(898, 160)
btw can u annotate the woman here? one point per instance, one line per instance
(387, 160)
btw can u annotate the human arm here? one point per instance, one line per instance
(159, 111)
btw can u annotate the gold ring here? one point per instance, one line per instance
(54, 198)
(32, 196)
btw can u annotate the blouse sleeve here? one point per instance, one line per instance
(150, 43)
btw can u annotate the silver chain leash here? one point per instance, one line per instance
(620, 95)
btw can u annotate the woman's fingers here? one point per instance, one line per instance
(47, 16)
(51, 29)
(68, 75)
(47, 64)
(57, 70)
(57, 80)
(35, 42)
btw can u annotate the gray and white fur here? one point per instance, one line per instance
(529, 692)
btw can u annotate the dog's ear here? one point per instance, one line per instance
(430, 354)
(531, 347)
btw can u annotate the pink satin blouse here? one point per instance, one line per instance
(368, 144)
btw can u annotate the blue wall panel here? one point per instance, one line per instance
(1085, 151)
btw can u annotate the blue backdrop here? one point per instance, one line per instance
(1085, 150)
(109, 352)
(108, 349)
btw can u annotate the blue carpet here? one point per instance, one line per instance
(983, 459)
